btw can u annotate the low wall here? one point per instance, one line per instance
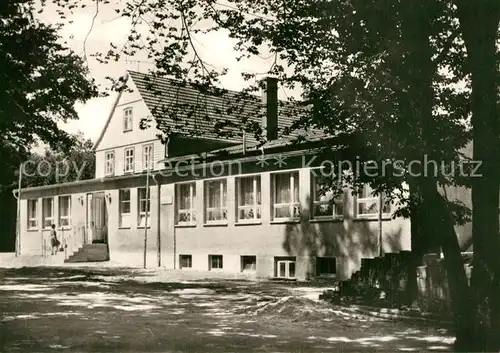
(432, 281)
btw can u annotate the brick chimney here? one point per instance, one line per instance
(270, 104)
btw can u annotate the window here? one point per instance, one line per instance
(185, 261)
(147, 157)
(248, 263)
(367, 203)
(286, 196)
(284, 267)
(325, 266)
(248, 199)
(214, 262)
(186, 194)
(327, 203)
(215, 201)
(124, 199)
(64, 211)
(143, 206)
(127, 119)
(129, 160)
(32, 218)
(47, 212)
(109, 168)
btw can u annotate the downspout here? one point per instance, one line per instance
(148, 213)
(167, 145)
(175, 244)
(380, 205)
(18, 215)
(158, 237)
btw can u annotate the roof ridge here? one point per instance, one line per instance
(194, 85)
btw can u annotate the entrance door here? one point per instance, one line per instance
(99, 218)
(88, 221)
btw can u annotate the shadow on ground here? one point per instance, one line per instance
(52, 309)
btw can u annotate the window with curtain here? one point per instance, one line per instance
(248, 198)
(32, 214)
(186, 194)
(286, 203)
(48, 212)
(64, 211)
(215, 201)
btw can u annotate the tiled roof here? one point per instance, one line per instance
(240, 150)
(185, 109)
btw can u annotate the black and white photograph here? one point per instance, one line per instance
(249, 176)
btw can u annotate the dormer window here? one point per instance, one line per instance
(127, 119)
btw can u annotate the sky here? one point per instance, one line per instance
(215, 48)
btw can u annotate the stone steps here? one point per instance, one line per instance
(90, 253)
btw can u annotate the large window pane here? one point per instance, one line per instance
(186, 194)
(368, 203)
(216, 200)
(283, 190)
(48, 212)
(327, 200)
(32, 214)
(125, 216)
(286, 195)
(64, 210)
(144, 205)
(249, 198)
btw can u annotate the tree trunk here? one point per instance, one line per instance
(436, 220)
(440, 217)
(479, 21)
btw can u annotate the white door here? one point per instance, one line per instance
(88, 227)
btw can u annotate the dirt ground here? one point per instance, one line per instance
(50, 309)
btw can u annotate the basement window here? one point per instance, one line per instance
(284, 267)
(215, 262)
(185, 261)
(326, 266)
(248, 263)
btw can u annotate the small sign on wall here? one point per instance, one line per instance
(165, 197)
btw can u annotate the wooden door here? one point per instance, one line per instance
(99, 218)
